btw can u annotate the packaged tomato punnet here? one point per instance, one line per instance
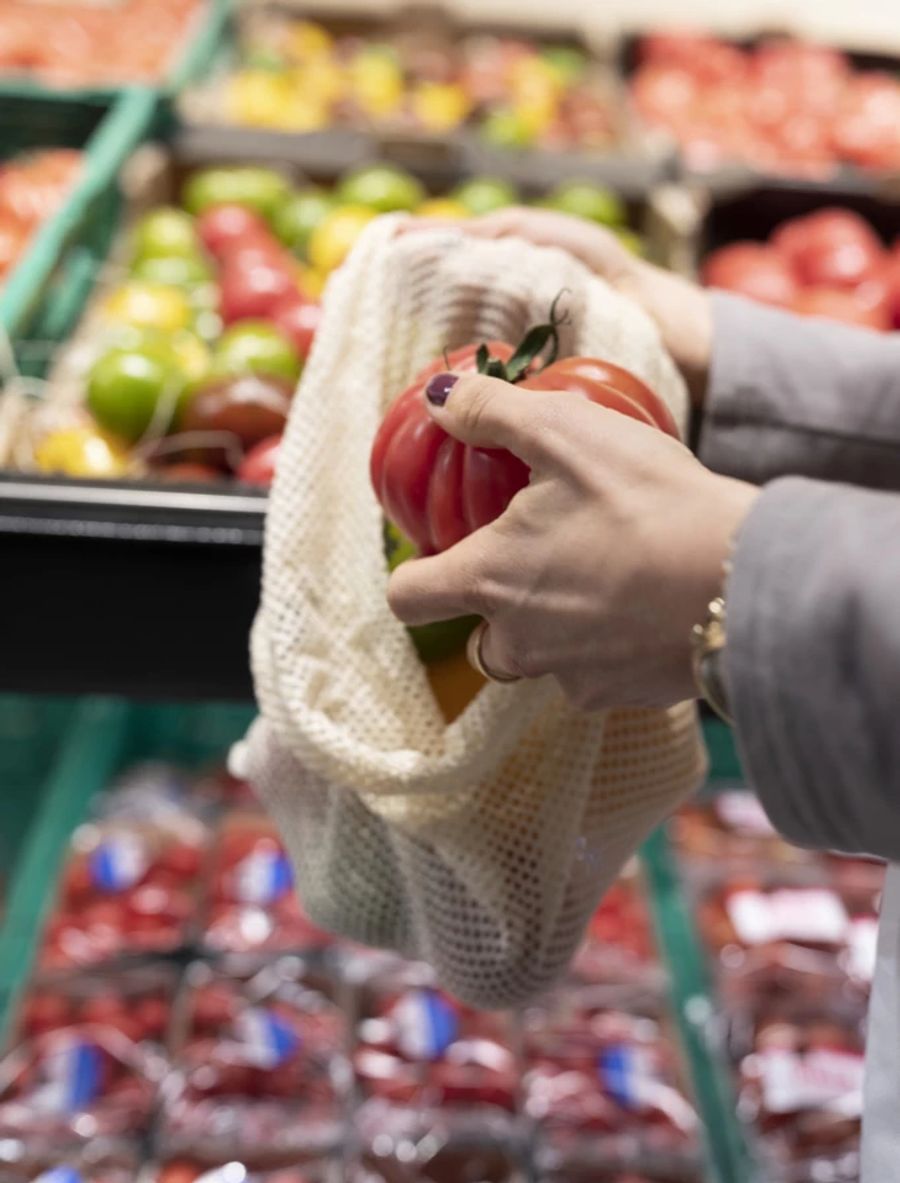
(458, 856)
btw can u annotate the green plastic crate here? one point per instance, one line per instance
(106, 137)
(101, 738)
(210, 31)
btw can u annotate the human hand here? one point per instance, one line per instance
(600, 567)
(681, 309)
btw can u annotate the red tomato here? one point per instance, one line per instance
(46, 1012)
(182, 858)
(178, 1172)
(188, 472)
(252, 290)
(298, 319)
(258, 466)
(837, 304)
(437, 490)
(832, 247)
(224, 226)
(753, 269)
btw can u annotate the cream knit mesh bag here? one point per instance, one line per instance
(484, 845)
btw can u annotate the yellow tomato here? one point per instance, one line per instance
(530, 75)
(442, 207)
(376, 83)
(257, 97)
(332, 240)
(454, 684)
(535, 115)
(81, 452)
(149, 305)
(312, 282)
(440, 106)
(320, 79)
(305, 39)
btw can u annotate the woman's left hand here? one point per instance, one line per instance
(598, 570)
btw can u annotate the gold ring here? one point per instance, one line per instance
(475, 656)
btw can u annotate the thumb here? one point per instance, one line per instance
(489, 413)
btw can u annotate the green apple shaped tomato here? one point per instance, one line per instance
(435, 641)
(504, 127)
(483, 195)
(568, 64)
(585, 200)
(164, 232)
(125, 386)
(382, 188)
(256, 347)
(177, 271)
(259, 189)
(299, 214)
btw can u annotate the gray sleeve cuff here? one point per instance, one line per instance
(802, 396)
(813, 663)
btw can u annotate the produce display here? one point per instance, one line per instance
(33, 186)
(297, 76)
(184, 367)
(791, 939)
(828, 263)
(240, 1061)
(779, 107)
(70, 44)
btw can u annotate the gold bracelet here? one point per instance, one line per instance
(707, 652)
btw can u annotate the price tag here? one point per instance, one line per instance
(812, 916)
(820, 1079)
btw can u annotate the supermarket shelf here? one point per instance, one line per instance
(128, 589)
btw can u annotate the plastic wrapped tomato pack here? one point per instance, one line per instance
(186, 1171)
(419, 1047)
(800, 1084)
(128, 887)
(253, 906)
(260, 1070)
(119, 1169)
(77, 1089)
(604, 1085)
(136, 1002)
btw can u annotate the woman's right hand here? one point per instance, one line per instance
(681, 309)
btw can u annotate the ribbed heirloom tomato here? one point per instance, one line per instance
(436, 490)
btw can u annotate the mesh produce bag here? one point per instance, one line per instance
(482, 845)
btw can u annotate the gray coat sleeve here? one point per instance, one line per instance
(813, 656)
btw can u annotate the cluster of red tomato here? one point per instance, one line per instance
(82, 44)
(32, 188)
(785, 106)
(829, 263)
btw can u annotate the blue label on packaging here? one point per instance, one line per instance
(428, 1024)
(60, 1175)
(267, 1038)
(118, 863)
(263, 877)
(621, 1073)
(72, 1077)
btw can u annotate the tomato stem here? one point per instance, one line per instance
(537, 339)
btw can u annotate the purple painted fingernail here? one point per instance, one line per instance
(438, 389)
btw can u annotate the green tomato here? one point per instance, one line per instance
(483, 195)
(568, 64)
(298, 216)
(262, 57)
(259, 189)
(584, 200)
(126, 384)
(435, 641)
(163, 233)
(504, 127)
(178, 271)
(256, 347)
(382, 188)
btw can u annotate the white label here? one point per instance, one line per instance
(813, 915)
(820, 1079)
(739, 809)
(862, 941)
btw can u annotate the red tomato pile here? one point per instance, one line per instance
(127, 888)
(436, 490)
(32, 188)
(829, 263)
(89, 44)
(253, 905)
(136, 1004)
(785, 106)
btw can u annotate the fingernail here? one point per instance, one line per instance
(438, 389)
